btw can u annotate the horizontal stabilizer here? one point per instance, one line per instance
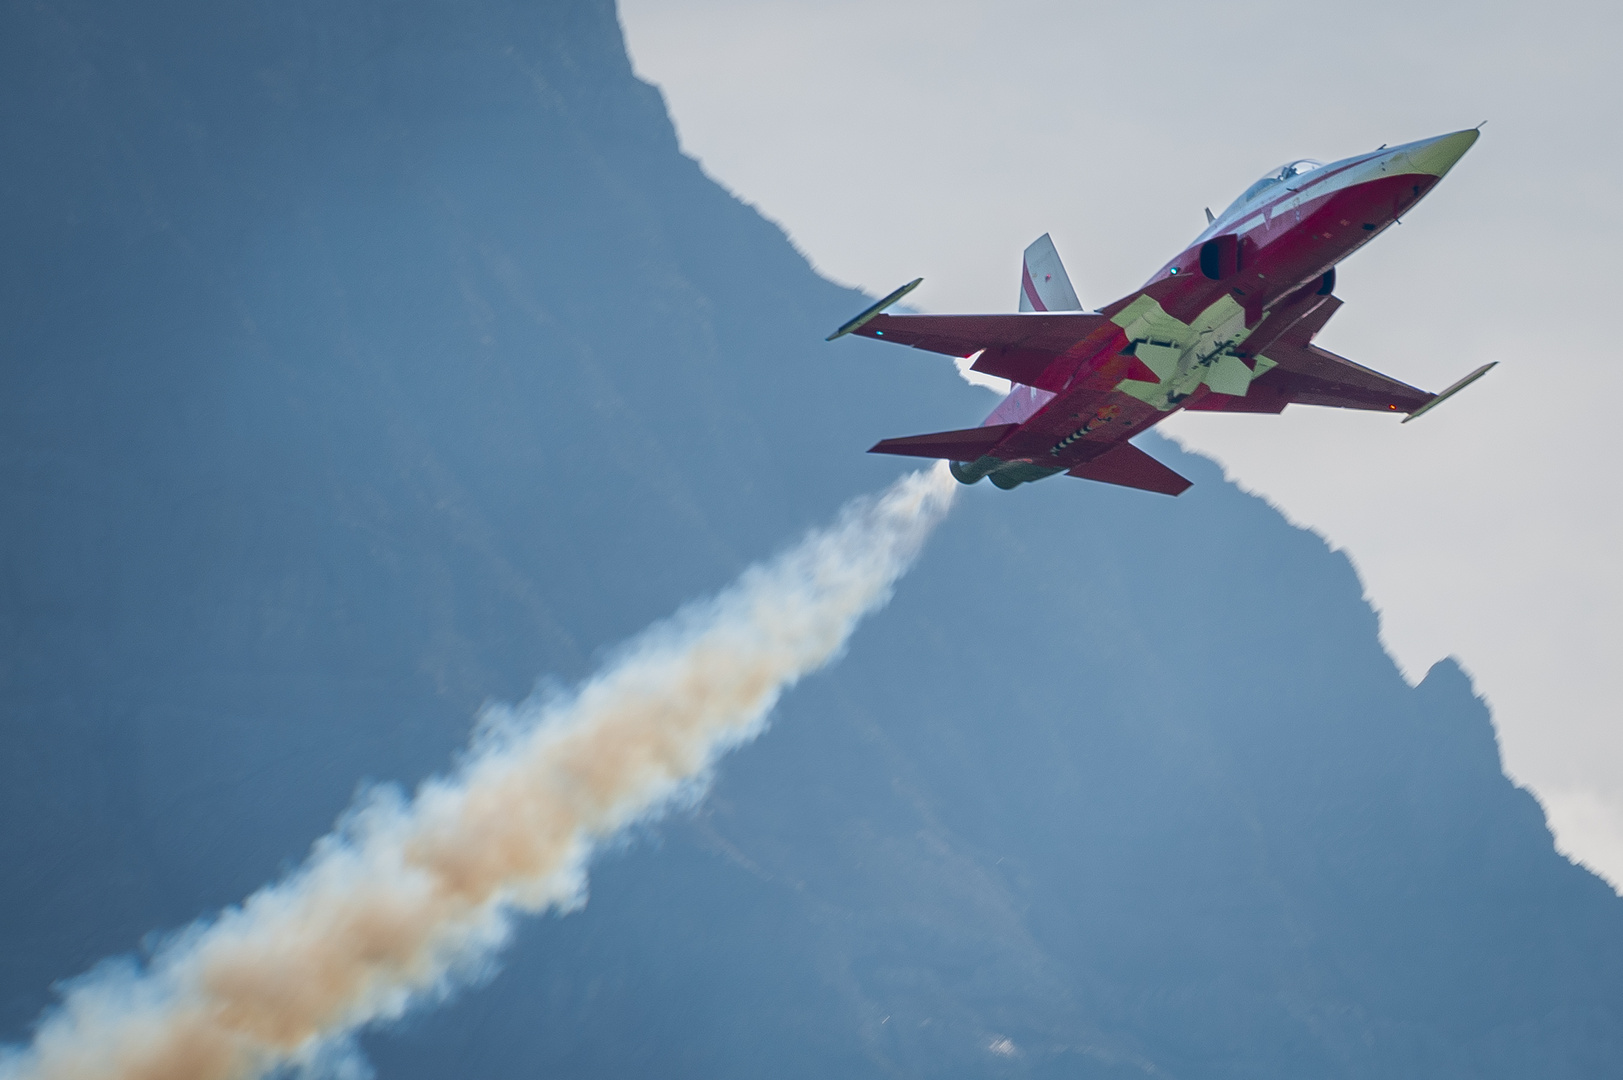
(1128, 466)
(965, 445)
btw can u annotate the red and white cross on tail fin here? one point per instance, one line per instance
(1044, 284)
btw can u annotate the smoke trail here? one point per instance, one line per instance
(406, 896)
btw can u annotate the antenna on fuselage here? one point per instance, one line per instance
(1209, 218)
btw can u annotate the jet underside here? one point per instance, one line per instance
(1226, 326)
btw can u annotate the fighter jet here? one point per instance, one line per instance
(1226, 326)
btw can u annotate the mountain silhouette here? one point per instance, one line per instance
(363, 363)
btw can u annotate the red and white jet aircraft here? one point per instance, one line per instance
(1227, 326)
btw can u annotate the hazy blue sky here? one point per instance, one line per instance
(904, 138)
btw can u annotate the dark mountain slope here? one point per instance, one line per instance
(359, 363)
(356, 365)
(1203, 831)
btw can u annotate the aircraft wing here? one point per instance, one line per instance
(1016, 346)
(1313, 375)
(959, 335)
(1305, 374)
(1320, 377)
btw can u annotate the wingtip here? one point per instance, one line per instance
(869, 313)
(1451, 391)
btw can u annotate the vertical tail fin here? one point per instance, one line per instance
(1044, 284)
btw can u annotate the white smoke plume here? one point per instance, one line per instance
(407, 896)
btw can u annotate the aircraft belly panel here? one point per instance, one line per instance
(1228, 374)
(1080, 427)
(1185, 356)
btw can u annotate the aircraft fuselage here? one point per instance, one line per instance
(1199, 329)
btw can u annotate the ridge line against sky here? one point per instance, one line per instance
(944, 137)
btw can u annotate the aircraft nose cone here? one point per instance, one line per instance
(1437, 156)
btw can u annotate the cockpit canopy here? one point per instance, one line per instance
(1278, 176)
